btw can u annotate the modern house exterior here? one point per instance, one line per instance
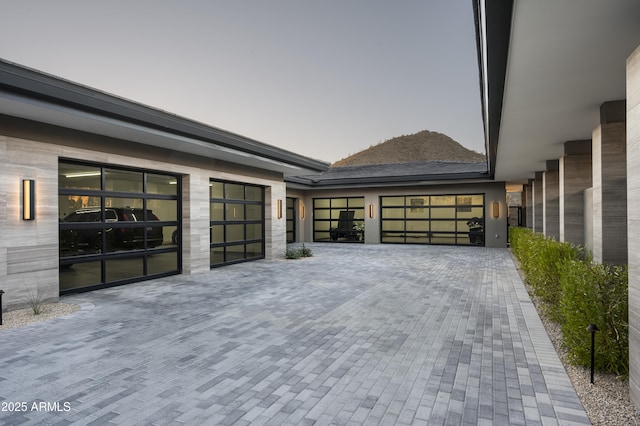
(561, 102)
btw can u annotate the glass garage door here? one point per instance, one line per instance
(116, 225)
(433, 219)
(236, 222)
(338, 219)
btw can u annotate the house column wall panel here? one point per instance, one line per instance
(538, 196)
(610, 186)
(575, 178)
(529, 206)
(551, 192)
(633, 220)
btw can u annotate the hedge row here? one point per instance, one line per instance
(576, 292)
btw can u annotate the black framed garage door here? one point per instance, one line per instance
(116, 225)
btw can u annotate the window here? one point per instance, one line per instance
(433, 219)
(291, 220)
(116, 225)
(236, 223)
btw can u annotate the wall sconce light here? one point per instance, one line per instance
(302, 212)
(371, 211)
(495, 209)
(28, 199)
(279, 205)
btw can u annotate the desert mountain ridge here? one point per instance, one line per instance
(422, 146)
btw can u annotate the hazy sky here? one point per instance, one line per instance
(323, 78)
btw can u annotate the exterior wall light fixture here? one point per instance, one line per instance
(302, 212)
(371, 211)
(28, 199)
(279, 205)
(495, 207)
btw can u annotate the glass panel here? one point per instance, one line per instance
(162, 210)
(216, 190)
(161, 263)
(217, 233)
(254, 211)
(358, 214)
(335, 214)
(322, 225)
(234, 191)
(235, 211)
(132, 238)
(254, 193)
(393, 213)
(469, 212)
(443, 200)
(393, 225)
(392, 201)
(289, 203)
(235, 253)
(217, 211)
(121, 180)
(356, 202)
(418, 238)
(89, 214)
(321, 203)
(254, 250)
(443, 212)
(170, 236)
(254, 231)
(78, 177)
(443, 225)
(321, 236)
(477, 200)
(415, 225)
(122, 269)
(129, 209)
(289, 226)
(217, 255)
(322, 214)
(162, 184)
(338, 203)
(235, 233)
(70, 204)
(80, 275)
(392, 239)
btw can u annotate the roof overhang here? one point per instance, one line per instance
(39, 97)
(546, 68)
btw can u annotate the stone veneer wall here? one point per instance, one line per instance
(538, 206)
(575, 178)
(633, 170)
(29, 249)
(551, 191)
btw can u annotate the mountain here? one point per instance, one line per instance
(421, 146)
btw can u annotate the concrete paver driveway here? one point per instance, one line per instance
(376, 334)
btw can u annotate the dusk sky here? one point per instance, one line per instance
(324, 79)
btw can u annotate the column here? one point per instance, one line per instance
(575, 178)
(529, 200)
(633, 167)
(610, 185)
(537, 203)
(551, 189)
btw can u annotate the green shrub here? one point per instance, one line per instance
(595, 294)
(297, 253)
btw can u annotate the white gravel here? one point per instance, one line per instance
(24, 316)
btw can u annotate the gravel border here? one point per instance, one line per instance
(606, 401)
(25, 316)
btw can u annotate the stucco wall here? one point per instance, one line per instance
(495, 229)
(29, 249)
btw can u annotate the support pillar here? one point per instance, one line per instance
(538, 195)
(633, 168)
(575, 177)
(610, 185)
(529, 200)
(551, 189)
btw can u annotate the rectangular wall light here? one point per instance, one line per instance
(371, 211)
(279, 209)
(302, 212)
(496, 209)
(28, 199)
